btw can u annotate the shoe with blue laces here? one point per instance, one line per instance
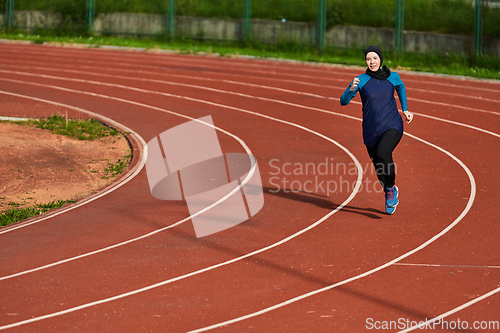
(391, 199)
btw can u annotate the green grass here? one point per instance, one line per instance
(445, 16)
(17, 213)
(114, 170)
(483, 67)
(83, 129)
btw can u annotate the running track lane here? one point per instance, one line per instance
(353, 241)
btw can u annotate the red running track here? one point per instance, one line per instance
(327, 261)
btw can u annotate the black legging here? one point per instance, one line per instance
(381, 156)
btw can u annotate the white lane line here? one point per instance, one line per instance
(447, 266)
(408, 134)
(455, 310)
(326, 69)
(172, 95)
(160, 63)
(453, 106)
(292, 81)
(201, 78)
(14, 119)
(461, 125)
(199, 63)
(476, 98)
(164, 93)
(126, 178)
(359, 119)
(243, 183)
(451, 85)
(238, 94)
(313, 68)
(222, 91)
(244, 95)
(167, 73)
(372, 271)
(448, 121)
(318, 222)
(163, 110)
(234, 93)
(439, 103)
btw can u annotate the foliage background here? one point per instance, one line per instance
(444, 16)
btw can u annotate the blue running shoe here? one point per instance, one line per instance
(391, 199)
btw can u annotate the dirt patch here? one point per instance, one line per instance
(38, 167)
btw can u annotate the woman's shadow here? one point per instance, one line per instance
(321, 201)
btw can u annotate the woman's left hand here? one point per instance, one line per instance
(409, 116)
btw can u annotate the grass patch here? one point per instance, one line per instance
(114, 170)
(81, 129)
(16, 213)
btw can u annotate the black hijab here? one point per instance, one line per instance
(383, 72)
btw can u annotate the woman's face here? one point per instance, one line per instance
(372, 61)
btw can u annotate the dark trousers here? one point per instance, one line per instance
(381, 156)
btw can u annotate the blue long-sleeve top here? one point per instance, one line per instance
(380, 111)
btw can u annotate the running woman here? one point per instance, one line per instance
(382, 123)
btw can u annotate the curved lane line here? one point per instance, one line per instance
(455, 310)
(313, 68)
(325, 111)
(201, 78)
(247, 96)
(243, 183)
(219, 90)
(471, 198)
(465, 125)
(268, 87)
(431, 117)
(372, 271)
(459, 124)
(355, 191)
(476, 98)
(452, 123)
(358, 184)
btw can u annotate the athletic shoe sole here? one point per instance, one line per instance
(391, 209)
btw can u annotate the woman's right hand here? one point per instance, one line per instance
(354, 84)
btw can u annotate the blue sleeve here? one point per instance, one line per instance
(400, 89)
(348, 94)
